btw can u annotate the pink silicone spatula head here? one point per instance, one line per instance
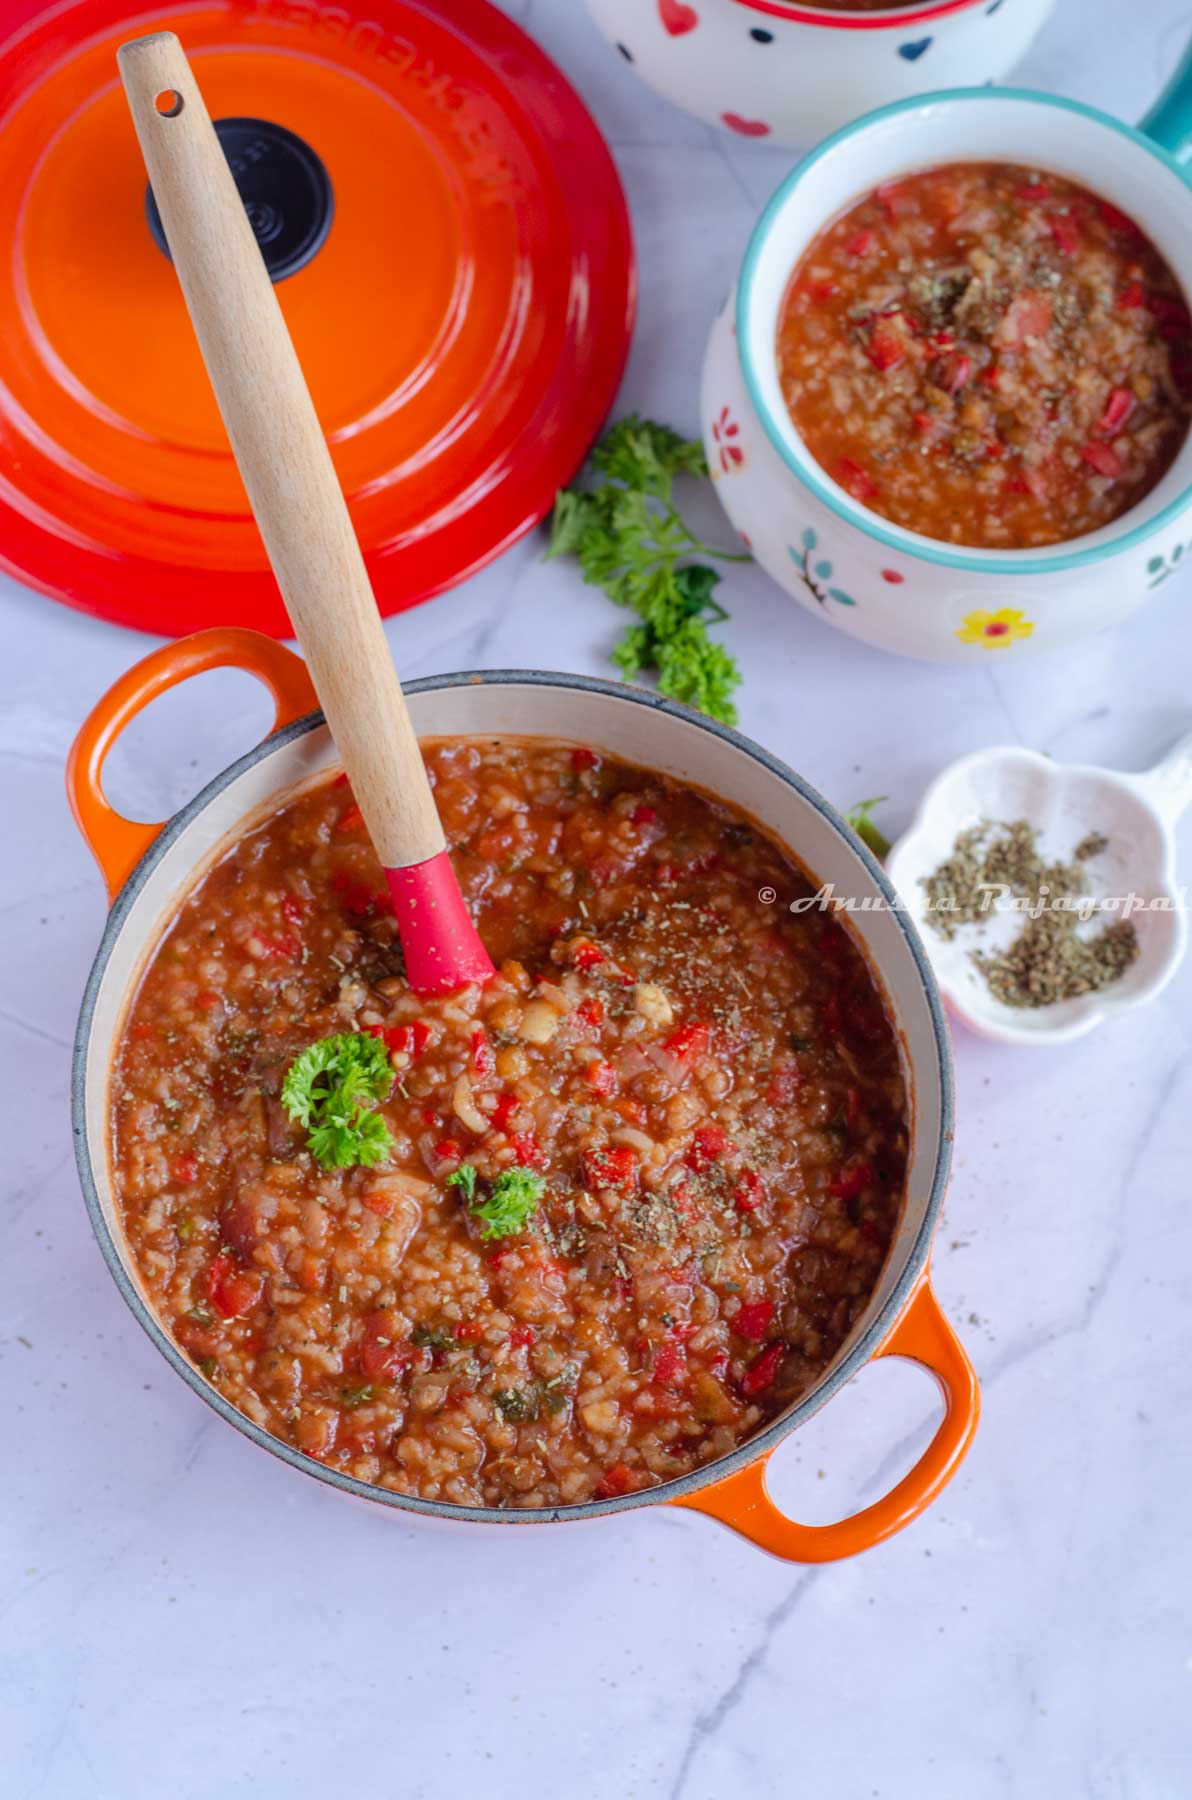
(296, 499)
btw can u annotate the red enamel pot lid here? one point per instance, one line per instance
(463, 311)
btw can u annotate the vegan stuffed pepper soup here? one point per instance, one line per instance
(949, 402)
(596, 1235)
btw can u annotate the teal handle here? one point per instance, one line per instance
(1169, 121)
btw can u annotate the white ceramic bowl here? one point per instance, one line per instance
(859, 572)
(1064, 802)
(148, 868)
(786, 73)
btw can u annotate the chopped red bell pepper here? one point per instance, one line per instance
(583, 758)
(1033, 190)
(859, 483)
(527, 1151)
(1118, 407)
(784, 1084)
(231, 1291)
(588, 956)
(1131, 296)
(1027, 316)
(503, 1111)
(185, 1169)
(643, 815)
(602, 1079)
(689, 1042)
(446, 1152)
(851, 1182)
(615, 1482)
(590, 1012)
(861, 244)
(682, 1198)
(350, 820)
(753, 1319)
(409, 1040)
(1107, 462)
(279, 949)
(886, 348)
(957, 373)
(615, 1167)
(1062, 227)
(358, 898)
(1117, 220)
(383, 1351)
(484, 1061)
(708, 1144)
(469, 1331)
(670, 1364)
(522, 1336)
(749, 1191)
(762, 1370)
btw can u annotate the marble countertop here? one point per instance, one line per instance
(181, 1615)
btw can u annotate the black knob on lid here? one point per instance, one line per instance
(285, 189)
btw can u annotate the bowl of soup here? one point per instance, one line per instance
(635, 1209)
(948, 403)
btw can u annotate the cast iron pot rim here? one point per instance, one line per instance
(710, 1473)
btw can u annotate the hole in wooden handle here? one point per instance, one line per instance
(168, 103)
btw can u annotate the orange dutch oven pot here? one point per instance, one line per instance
(148, 867)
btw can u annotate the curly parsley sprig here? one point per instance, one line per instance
(510, 1202)
(632, 542)
(332, 1088)
(861, 818)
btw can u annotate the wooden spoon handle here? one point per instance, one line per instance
(280, 449)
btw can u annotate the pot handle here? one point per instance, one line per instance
(117, 843)
(742, 1501)
(1169, 120)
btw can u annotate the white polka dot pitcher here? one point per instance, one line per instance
(788, 73)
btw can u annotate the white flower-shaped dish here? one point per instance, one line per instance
(1064, 802)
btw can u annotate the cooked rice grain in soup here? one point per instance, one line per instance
(708, 1086)
(988, 355)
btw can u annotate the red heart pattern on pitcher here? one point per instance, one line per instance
(677, 18)
(746, 127)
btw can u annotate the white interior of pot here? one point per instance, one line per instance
(619, 727)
